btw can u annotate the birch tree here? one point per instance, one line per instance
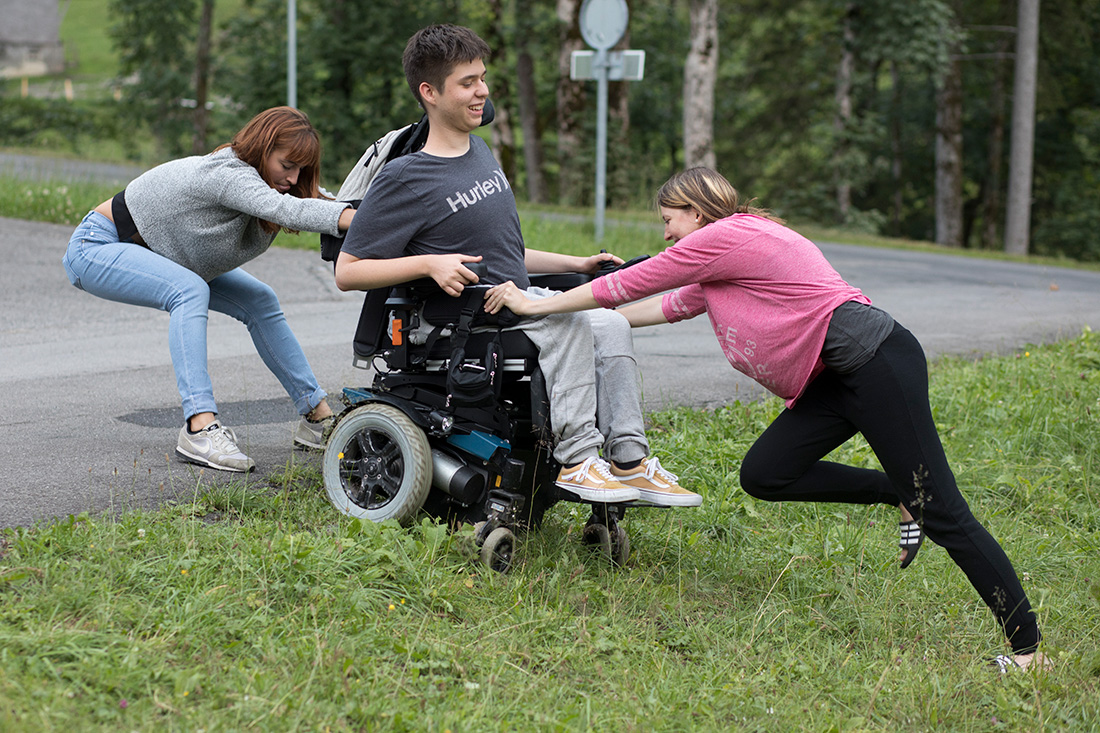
(949, 173)
(843, 118)
(700, 79)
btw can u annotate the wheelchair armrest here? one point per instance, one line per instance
(559, 280)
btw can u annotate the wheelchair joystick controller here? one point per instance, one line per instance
(481, 269)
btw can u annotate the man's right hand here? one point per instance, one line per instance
(450, 272)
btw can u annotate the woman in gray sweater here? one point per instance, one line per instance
(175, 240)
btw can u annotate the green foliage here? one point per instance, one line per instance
(155, 42)
(259, 608)
(350, 78)
(58, 126)
(50, 201)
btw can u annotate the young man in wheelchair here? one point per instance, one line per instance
(430, 213)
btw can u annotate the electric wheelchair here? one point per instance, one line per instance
(455, 424)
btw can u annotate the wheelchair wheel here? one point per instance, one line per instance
(498, 552)
(612, 544)
(378, 465)
(620, 547)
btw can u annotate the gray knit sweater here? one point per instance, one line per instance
(204, 212)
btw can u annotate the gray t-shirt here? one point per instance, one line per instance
(423, 204)
(856, 330)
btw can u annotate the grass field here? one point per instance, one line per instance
(258, 608)
(85, 32)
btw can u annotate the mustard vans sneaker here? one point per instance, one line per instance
(592, 481)
(655, 485)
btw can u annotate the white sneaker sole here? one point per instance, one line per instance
(599, 496)
(305, 445)
(658, 498)
(199, 460)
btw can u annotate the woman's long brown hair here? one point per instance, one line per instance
(709, 193)
(282, 128)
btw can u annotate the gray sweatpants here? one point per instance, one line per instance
(591, 376)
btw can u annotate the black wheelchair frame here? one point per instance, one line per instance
(409, 444)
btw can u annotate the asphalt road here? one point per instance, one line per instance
(89, 411)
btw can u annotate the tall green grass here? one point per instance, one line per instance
(51, 201)
(260, 608)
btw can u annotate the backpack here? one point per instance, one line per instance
(392, 145)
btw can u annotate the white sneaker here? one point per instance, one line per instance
(592, 481)
(214, 446)
(311, 435)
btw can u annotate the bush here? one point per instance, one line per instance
(61, 126)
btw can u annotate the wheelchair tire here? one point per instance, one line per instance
(499, 551)
(378, 465)
(612, 545)
(620, 547)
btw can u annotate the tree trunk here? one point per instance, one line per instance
(896, 149)
(1018, 221)
(202, 77)
(843, 116)
(570, 105)
(700, 78)
(501, 134)
(529, 109)
(949, 207)
(992, 194)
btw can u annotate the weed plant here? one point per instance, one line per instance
(262, 609)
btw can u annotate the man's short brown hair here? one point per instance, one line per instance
(433, 52)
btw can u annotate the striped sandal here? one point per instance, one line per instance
(1004, 663)
(911, 538)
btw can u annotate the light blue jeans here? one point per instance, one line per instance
(98, 263)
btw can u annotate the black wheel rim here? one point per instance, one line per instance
(502, 556)
(372, 469)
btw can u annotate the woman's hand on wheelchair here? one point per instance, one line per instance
(507, 295)
(451, 274)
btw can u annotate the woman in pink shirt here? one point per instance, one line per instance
(784, 317)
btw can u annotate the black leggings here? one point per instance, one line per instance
(886, 400)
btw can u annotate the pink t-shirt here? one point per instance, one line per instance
(768, 290)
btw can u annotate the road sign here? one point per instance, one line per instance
(621, 65)
(603, 22)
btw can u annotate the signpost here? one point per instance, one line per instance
(603, 23)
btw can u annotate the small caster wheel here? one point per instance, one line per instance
(498, 552)
(620, 547)
(598, 537)
(612, 544)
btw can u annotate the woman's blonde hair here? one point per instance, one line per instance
(282, 128)
(709, 193)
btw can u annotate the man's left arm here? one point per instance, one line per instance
(539, 261)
